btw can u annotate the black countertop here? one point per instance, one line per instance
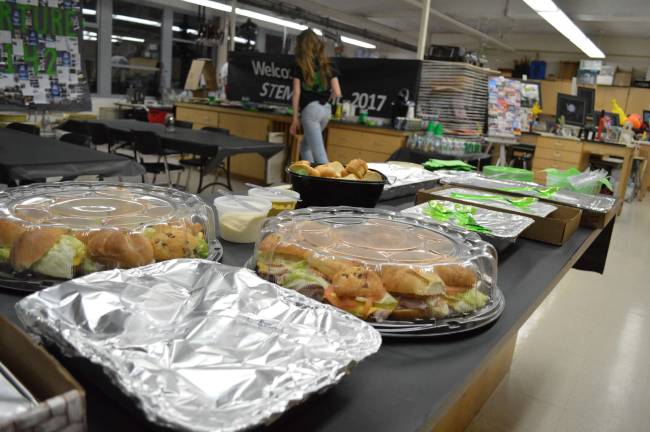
(407, 385)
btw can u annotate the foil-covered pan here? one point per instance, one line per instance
(473, 196)
(404, 178)
(595, 203)
(504, 228)
(200, 346)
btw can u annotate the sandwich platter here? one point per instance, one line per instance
(51, 232)
(407, 276)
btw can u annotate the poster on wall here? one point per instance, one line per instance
(40, 61)
(370, 84)
(504, 106)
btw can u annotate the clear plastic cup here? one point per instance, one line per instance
(281, 200)
(241, 217)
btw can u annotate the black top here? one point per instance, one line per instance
(24, 156)
(406, 385)
(318, 91)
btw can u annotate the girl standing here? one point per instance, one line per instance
(315, 84)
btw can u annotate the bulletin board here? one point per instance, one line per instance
(40, 61)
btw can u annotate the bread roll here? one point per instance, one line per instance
(326, 171)
(337, 167)
(119, 248)
(456, 275)
(405, 314)
(358, 282)
(10, 231)
(372, 176)
(328, 266)
(32, 245)
(272, 243)
(358, 167)
(412, 282)
(302, 169)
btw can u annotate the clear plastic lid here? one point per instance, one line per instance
(66, 229)
(378, 264)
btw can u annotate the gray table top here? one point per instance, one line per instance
(407, 384)
(196, 141)
(25, 156)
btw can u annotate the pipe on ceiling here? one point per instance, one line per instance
(462, 26)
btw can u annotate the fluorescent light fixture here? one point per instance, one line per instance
(317, 31)
(248, 13)
(548, 10)
(88, 11)
(270, 19)
(177, 29)
(192, 32)
(240, 39)
(211, 4)
(357, 42)
(136, 20)
(127, 39)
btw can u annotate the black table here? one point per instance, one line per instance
(407, 385)
(215, 146)
(27, 157)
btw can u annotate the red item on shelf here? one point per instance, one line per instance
(156, 116)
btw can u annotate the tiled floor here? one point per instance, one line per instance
(582, 361)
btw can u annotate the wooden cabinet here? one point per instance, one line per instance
(605, 94)
(552, 152)
(344, 144)
(199, 117)
(550, 90)
(248, 165)
(638, 100)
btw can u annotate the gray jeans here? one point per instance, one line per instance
(314, 119)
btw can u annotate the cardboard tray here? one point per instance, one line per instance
(554, 229)
(62, 401)
(590, 219)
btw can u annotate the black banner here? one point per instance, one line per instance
(370, 84)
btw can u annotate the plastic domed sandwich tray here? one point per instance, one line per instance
(401, 273)
(55, 231)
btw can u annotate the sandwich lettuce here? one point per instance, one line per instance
(300, 276)
(202, 249)
(4, 254)
(468, 301)
(60, 261)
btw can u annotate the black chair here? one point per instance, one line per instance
(183, 124)
(200, 162)
(23, 127)
(75, 126)
(77, 139)
(522, 155)
(148, 143)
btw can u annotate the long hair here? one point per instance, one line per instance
(310, 57)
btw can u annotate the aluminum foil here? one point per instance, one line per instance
(504, 227)
(405, 178)
(198, 345)
(596, 203)
(537, 208)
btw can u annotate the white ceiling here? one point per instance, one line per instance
(497, 18)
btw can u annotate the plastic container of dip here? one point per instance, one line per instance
(241, 217)
(280, 201)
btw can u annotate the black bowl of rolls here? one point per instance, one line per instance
(335, 184)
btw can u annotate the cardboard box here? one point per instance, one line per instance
(555, 228)
(201, 78)
(62, 401)
(623, 79)
(591, 219)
